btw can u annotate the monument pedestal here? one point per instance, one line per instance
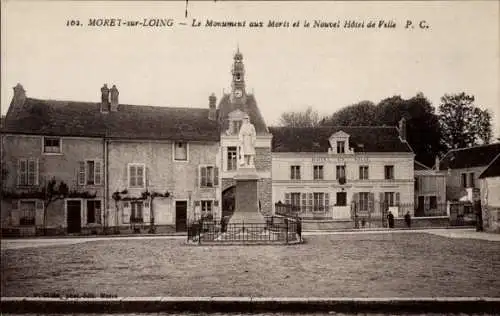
(247, 200)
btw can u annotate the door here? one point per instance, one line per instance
(421, 206)
(180, 216)
(74, 216)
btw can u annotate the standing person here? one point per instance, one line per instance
(408, 219)
(390, 219)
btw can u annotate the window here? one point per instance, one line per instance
(27, 215)
(389, 198)
(232, 158)
(363, 201)
(180, 151)
(389, 172)
(363, 172)
(295, 172)
(471, 180)
(93, 212)
(206, 208)
(341, 199)
(136, 175)
(318, 172)
(320, 202)
(236, 127)
(468, 180)
(340, 172)
(340, 147)
(209, 176)
(136, 215)
(295, 200)
(90, 172)
(52, 145)
(27, 172)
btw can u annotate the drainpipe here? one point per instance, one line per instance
(106, 189)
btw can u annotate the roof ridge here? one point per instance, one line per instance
(121, 104)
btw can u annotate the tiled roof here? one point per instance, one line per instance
(477, 156)
(68, 118)
(250, 107)
(316, 139)
(493, 170)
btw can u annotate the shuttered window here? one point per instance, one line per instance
(209, 176)
(27, 172)
(90, 172)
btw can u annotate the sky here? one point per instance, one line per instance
(287, 68)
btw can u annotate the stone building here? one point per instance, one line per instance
(489, 182)
(121, 164)
(463, 167)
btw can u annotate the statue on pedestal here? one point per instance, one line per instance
(247, 139)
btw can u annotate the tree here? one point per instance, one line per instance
(363, 113)
(53, 192)
(423, 132)
(422, 124)
(307, 118)
(463, 124)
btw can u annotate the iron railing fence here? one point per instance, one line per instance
(276, 229)
(439, 209)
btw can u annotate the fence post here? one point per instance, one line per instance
(286, 221)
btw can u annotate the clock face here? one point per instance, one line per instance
(238, 93)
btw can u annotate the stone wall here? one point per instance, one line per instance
(265, 196)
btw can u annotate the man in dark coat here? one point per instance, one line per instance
(408, 219)
(390, 219)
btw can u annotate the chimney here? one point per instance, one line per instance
(211, 107)
(436, 163)
(105, 98)
(402, 129)
(19, 95)
(114, 98)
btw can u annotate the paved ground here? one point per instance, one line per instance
(395, 264)
(47, 242)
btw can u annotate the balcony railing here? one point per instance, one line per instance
(136, 220)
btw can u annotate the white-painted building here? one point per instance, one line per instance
(337, 172)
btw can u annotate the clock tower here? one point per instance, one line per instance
(238, 94)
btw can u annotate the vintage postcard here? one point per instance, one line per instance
(250, 156)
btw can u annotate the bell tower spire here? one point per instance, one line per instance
(238, 93)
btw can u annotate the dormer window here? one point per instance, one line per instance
(236, 127)
(339, 144)
(340, 147)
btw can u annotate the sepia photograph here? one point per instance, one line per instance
(250, 157)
